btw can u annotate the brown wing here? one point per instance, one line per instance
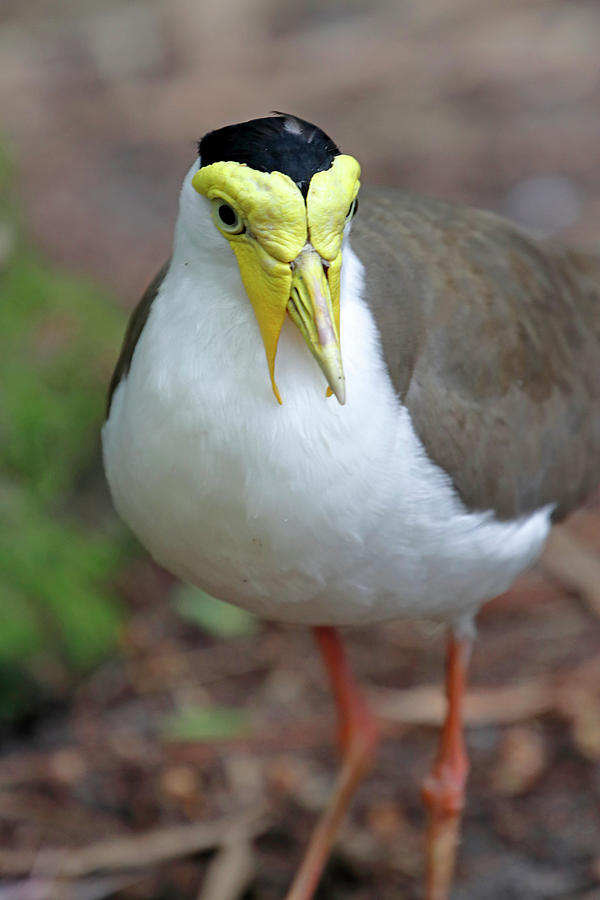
(134, 329)
(492, 339)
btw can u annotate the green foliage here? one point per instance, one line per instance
(206, 723)
(213, 616)
(56, 333)
(58, 338)
(55, 598)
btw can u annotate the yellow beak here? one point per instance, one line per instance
(302, 289)
(310, 307)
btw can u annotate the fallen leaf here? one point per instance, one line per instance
(205, 723)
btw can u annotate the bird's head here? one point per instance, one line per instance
(282, 196)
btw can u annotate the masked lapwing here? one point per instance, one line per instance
(336, 407)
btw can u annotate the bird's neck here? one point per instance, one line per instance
(207, 319)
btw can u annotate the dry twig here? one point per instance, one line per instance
(133, 852)
(230, 872)
(574, 565)
(486, 706)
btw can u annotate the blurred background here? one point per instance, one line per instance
(156, 744)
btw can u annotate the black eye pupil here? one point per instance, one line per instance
(227, 215)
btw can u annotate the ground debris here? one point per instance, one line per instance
(231, 871)
(522, 757)
(132, 851)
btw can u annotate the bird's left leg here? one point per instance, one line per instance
(444, 789)
(358, 734)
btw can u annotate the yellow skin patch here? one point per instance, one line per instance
(330, 196)
(274, 225)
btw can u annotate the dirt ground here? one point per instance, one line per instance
(491, 104)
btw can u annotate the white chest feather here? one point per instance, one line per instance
(308, 512)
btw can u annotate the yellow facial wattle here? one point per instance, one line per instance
(330, 196)
(275, 236)
(269, 202)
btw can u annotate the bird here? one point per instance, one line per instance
(338, 405)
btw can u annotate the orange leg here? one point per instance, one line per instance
(444, 789)
(358, 734)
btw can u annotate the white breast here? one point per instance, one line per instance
(307, 512)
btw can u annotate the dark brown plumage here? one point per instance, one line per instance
(133, 331)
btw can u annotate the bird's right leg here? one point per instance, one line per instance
(444, 789)
(358, 734)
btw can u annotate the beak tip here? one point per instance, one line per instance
(340, 392)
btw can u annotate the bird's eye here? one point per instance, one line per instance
(352, 211)
(227, 218)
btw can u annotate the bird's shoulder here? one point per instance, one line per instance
(492, 340)
(133, 331)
